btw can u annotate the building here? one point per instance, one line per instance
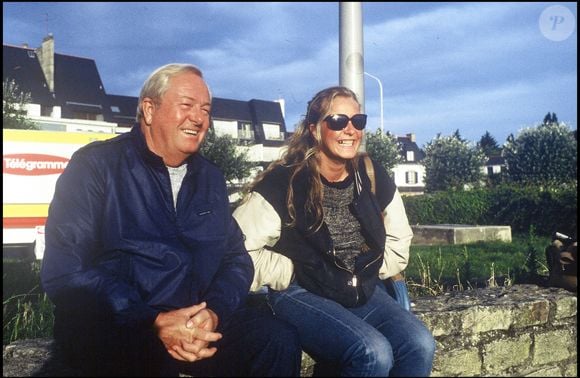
(67, 94)
(410, 174)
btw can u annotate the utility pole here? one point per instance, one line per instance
(351, 64)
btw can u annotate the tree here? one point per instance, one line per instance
(384, 148)
(223, 152)
(550, 118)
(452, 164)
(488, 145)
(457, 135)
(14, 103)
(545, 154)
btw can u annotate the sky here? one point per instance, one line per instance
(472, 67)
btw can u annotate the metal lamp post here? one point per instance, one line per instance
(380, 94)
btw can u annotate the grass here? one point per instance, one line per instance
(432, 270)
(26, 310)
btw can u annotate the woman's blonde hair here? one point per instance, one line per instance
(302, 154)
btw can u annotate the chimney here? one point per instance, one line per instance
(282, 106)
(411, 137)
(46, 56)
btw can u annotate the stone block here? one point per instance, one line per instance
(457, 363)
(552, 371)
(459, 234)
(503, 354)
(479, 319)
(553, 346)
(531, 313)
(566, 307)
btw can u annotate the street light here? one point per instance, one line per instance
(380, 94)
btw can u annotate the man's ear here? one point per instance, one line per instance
(148, 108)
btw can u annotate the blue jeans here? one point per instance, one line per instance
(254, 344)
(379, 338)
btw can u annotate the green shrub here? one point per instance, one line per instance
(546, 209)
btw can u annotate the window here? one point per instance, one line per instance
(245, 131)
(115, 109)
(410, 156)
(272, 131)
(411, 177)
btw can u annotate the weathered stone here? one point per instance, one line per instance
(457, 363)
(571, 370)
(553, 371)
(531, 313)
(539, 340)
(503, 354)
(459, 234)
(553, 346)
(566, 307)
(479, 319)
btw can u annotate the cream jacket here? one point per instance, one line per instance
(261, 226)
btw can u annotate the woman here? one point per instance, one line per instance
(321, 240)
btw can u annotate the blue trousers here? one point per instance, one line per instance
(379, 338)
(254, 343)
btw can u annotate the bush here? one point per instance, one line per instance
(457, 207)
(546, 209)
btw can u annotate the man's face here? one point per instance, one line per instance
(178, 122)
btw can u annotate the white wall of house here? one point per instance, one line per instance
(494, 169)
(409, 175)
(33, 110)
(77, 125)
(258, 153)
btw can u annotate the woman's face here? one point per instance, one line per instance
(340, 146)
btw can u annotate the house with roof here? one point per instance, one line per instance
(67, 94)
(410, 174)
(494, 165)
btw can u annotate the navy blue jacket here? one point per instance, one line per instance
(116, 246)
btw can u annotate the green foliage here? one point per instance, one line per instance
(222, 150)
(384, 148)
(460, 207)
(14, 107)
(489, 145)
(546, 154)
(550, 118)
(27, 311)
(452, 164)
(547, 209)
(433, 270)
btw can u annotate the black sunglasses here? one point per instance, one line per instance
(338, 122)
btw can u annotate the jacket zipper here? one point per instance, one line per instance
(354, 281)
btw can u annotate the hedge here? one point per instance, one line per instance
(521, 207)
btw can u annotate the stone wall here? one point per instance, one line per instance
(523, 330)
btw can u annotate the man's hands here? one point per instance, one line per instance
(187, 332)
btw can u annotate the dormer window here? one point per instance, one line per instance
(410, 156)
